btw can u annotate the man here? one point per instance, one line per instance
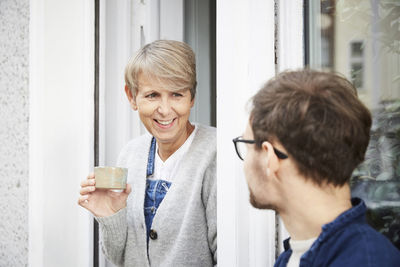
(307, 132)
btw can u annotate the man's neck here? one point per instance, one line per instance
(310, 206)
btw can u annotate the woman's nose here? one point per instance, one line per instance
(164, 107)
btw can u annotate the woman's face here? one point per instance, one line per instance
(164, 113)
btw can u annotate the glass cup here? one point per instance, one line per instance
(110, 177)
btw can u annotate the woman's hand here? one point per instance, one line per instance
(101, 202)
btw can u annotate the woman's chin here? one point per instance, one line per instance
(165, 136)
(164, 139)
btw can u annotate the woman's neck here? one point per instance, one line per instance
(165, 150)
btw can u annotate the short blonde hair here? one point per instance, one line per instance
(171, 62)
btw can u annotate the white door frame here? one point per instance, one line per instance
(245, 60)
(61, 131)
(290, 54)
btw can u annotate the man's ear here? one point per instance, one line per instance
(131, 97)
(272, 160)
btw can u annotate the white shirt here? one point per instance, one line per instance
(165, 170)
(299, 247)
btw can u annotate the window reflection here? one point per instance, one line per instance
(361, 40)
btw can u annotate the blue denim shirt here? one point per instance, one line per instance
(347, 241)
(155, 190)
(155, 193)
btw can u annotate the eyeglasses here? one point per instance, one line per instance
(241, 148)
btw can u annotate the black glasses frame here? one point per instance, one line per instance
(238, 139)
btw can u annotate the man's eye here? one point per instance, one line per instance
(177, 94)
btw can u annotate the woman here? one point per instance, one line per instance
(167, 214)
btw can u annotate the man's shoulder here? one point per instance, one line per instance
(283, 259)
(359, 244)
(363, 235)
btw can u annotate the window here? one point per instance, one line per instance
(361, 39)
(356, 64)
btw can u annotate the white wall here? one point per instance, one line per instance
(245, 60)
(61, 132)
(14, 116)
(290, 54)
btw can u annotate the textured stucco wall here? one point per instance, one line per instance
(14, 116)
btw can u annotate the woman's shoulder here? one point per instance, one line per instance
(205, 140)
(134, 147)
(206, 133)
(138, 142)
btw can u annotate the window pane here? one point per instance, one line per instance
(356, 75)
(356, 49)
(361, 40)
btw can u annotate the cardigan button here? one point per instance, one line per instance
(153, 234)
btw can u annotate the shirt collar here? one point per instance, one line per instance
(356, 213)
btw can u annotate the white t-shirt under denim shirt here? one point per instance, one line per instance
(165, 170)
(159, 182)
(299, 247)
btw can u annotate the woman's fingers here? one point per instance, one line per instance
(88, 182)
(83, 200)
(128, 189)
(87, 189)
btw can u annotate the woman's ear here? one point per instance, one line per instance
(192, 103)
(131, 97)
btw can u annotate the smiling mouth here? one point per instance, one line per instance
(164, 123)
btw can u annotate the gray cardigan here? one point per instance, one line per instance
(186, 220)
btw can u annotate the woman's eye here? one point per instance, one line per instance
(177, 94)
(152, 95)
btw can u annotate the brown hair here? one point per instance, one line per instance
(318, 119)
(171, 62)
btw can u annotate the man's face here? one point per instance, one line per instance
(255, 169)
